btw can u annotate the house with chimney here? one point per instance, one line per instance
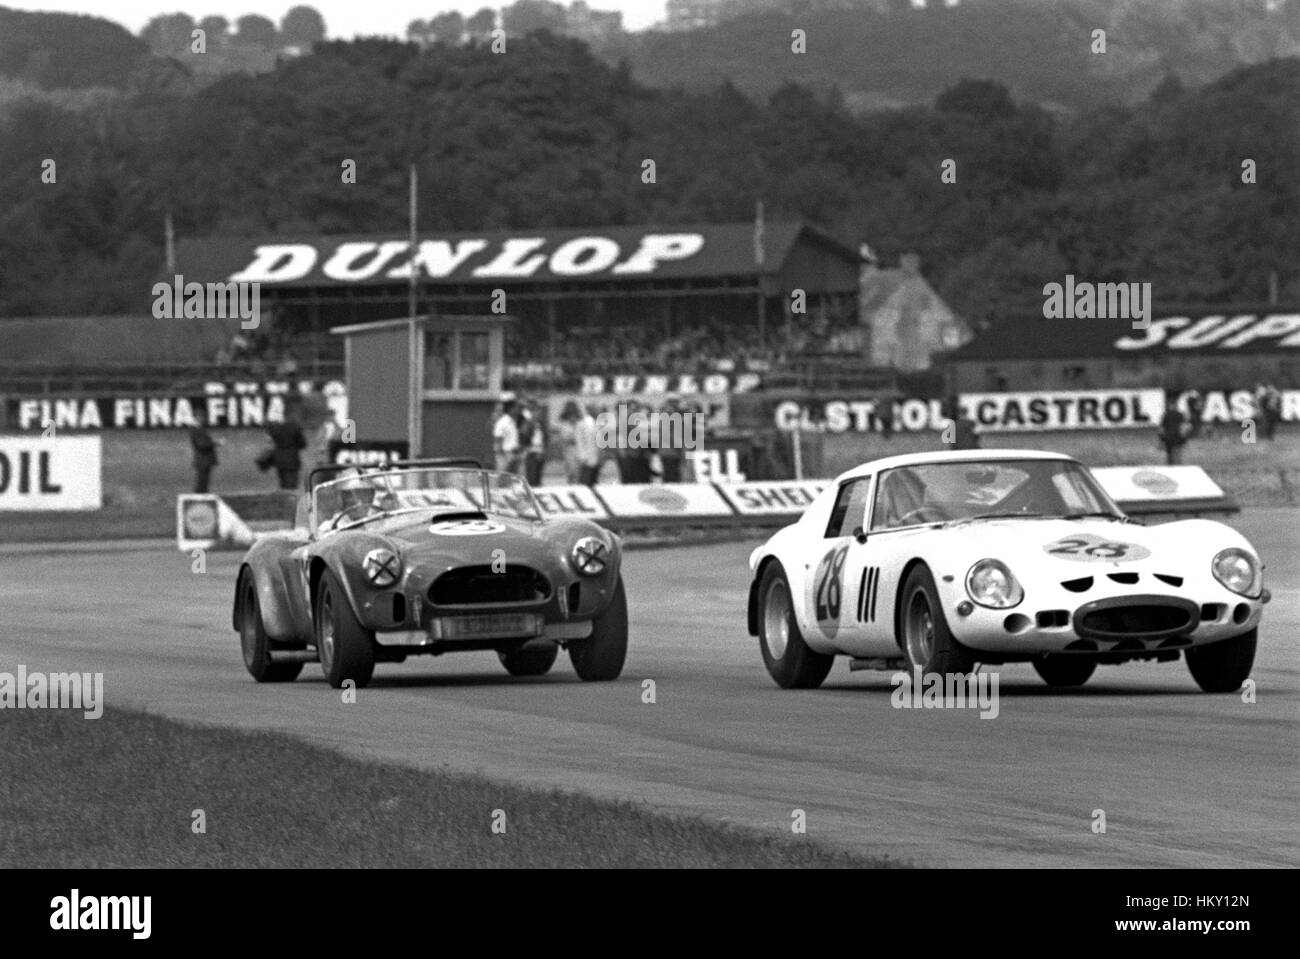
(905, 322)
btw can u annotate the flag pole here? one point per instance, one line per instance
(415, 391)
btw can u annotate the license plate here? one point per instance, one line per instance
(487, 626)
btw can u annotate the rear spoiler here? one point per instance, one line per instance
(333, 469)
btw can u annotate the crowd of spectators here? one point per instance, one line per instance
(712, 346)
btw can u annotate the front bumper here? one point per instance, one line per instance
(1120, 624)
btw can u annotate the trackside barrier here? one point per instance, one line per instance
(234, 521)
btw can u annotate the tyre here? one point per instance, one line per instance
(927, 643)
(789, 660)
(1065, 670)
(529, 660)
(1223, 666)
(600, 656)
(253, 641)
(347, 649)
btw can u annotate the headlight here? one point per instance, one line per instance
(382, 567)
(1238, 571)
(590, 556)
(991, 584)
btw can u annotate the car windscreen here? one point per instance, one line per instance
(935, 492)
(355, 498)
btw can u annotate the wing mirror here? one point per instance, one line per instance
(859, 534)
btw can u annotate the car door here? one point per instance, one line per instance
(837, 583)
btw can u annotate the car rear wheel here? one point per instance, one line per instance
(529, 660)
(253, 641)
(927, 642)
(1065, 670)
(600, 656)
(347, 649)
(1223, 666)
(789, 660)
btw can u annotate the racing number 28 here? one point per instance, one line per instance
(830, 592)
(1072, 547)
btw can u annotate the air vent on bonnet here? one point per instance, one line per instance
(1080, 585)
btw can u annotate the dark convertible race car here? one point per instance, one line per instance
(420, 558)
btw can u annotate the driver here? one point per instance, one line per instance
(358, 499)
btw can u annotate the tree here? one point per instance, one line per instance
(417, 31)
(256, 30)
(447, 27)
(302, 26)
(169, 35)
(527, 16)
(984, 99)
(216, 29)
(481, 25)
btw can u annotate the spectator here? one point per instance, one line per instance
(581, 456)
(1195, 414)
(885, 413)
(675, 422)
(287, 444)
(964, 435)
(1268, 407)
(205, 452)
(1173, 431)
(505, 435)
(532, 441)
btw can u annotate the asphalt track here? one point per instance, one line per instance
(1185, 779)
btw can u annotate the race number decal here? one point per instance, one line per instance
(1089, 548)
(828, 590)
(466, 527)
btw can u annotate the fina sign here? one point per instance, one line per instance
(50, 474)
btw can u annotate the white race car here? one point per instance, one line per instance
(942, 560)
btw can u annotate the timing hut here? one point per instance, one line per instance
(554, 283)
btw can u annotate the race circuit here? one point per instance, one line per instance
(1184, 778)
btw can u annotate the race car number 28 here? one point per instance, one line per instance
(1088, 548)
(828, 592)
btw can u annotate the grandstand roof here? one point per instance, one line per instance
(1203, 330)
(605, 255)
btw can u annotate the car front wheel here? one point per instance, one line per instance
(1223, 666)
(926, 639)
(1065, 670)
(600, 657)
(347, 649)
(530, 660)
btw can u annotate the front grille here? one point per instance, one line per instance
(1136, 617)
(482, 586)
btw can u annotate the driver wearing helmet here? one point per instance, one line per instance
(359, 498)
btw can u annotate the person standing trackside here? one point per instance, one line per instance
(505, 436)
(1173, 432)
(205, 452)
(287, 444)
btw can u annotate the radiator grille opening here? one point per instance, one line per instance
(481, 586)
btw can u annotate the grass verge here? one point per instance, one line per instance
(122, 791)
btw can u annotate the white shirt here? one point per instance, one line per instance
(584, 441)
(505, 434)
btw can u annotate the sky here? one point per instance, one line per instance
(343, 18)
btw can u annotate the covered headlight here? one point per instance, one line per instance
(1237, 570)
(991, 584)
(382, 567)
(590, 556)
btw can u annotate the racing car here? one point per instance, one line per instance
(429, 558)
(943, 560)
